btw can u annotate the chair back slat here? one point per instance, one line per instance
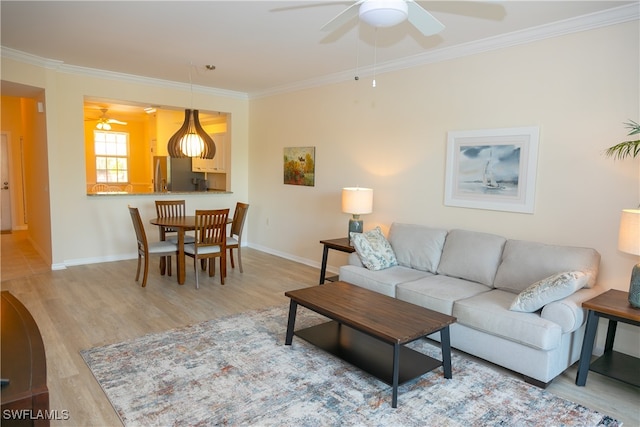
(239, 217)
(139, 228)
(99, 188)
(169, 209)
(211, 225)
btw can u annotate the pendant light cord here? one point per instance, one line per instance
(191, 83)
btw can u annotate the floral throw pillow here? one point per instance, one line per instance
(374, 249)
(547, 290)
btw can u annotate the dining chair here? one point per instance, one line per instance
(211, 240)
(99, 188)
(234, 240)
(145, 249)
(171, 209)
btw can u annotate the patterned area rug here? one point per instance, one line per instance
(237, 371)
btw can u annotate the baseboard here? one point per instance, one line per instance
(290, 257)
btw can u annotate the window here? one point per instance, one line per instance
(112, 156)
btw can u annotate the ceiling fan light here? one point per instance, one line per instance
(383, 13)
(102, 125)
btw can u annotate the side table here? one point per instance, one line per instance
(341, 245)
(612, 305)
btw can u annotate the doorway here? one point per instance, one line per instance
(6, 223)
(23, 121)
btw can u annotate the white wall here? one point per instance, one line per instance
(87, 229)
(577, 88)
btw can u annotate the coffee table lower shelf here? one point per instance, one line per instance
(368, 353)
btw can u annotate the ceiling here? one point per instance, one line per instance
(260, 46)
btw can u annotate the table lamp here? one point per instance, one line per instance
(356, 201)
(629, 241)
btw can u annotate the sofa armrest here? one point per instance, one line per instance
(354, 259)
(568, 312)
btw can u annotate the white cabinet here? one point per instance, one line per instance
(219, 162)
(216, 170)
(204, 165)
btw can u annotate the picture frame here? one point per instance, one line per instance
(492, 169)
(299, 166)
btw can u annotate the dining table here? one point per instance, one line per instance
(181, 224)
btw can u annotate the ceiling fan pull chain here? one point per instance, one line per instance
(357, 77)
(375, 55)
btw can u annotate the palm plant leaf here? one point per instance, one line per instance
(627, 148)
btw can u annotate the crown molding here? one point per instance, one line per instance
(150, 81)
(30, 59)
(619, 15)
(112, 75)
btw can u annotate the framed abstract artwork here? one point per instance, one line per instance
(492, 169)
(300, 166)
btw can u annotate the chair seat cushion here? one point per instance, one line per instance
(162, 247)
(205, 250)
(232, 241)
(187, 239)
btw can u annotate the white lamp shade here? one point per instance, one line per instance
(383, 13)
(357, 201)
(629, 235)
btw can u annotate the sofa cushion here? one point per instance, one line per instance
(417, 246)
(381, 281)
(471, 255)
(489, 312)
(374, 250)
(438, 292)
(524, 263)
(548, 290)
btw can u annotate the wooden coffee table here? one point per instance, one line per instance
(370, 330)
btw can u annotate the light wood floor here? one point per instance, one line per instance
(92, 305)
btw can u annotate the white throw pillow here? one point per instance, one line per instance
(374, 250)
(547, 290)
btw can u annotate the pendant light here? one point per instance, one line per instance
(191, 140)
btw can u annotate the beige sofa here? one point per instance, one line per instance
(476, 277)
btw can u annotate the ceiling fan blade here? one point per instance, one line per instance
(343, 17)
(310, 5)
(425, 22)
(117, 122)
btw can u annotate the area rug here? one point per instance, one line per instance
(237, 371)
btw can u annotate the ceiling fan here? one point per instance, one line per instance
(387, 13)
(105, 122)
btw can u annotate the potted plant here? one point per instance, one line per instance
(628, 241)
(627, 148)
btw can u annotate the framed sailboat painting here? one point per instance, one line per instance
(492, 169)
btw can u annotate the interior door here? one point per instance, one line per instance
(5, 200)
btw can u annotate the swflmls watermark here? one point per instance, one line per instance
(30, 414)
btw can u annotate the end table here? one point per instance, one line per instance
(612, 305)
(341, 245)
